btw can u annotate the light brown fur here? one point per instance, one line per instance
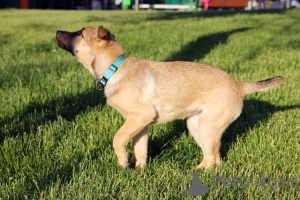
(147, 92)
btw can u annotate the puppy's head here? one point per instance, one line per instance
(84, 44)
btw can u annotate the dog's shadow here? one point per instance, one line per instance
(254, 112)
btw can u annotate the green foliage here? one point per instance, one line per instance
(56, 131)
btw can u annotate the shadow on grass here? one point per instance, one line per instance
(37, 113)
(203, 45)
(209, 14)
(254, 112)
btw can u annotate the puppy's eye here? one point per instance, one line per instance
(82, 32)
(78, 33)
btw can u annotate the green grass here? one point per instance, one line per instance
(56, 130)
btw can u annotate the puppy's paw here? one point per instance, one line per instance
(138, 169)
(205, 165)
(124, 163)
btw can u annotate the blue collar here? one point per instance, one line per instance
(112, 69)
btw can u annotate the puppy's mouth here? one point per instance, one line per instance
(65, 40)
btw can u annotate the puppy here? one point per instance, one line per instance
(147, 92)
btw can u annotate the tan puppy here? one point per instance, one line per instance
(147, 92)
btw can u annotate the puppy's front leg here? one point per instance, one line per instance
(133, 125)
(140, 142)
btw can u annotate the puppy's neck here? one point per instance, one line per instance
(105, 58)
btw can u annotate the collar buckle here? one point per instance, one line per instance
(112, 69)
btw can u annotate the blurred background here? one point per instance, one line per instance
(183, 5)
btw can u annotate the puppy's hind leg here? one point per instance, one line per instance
(207, 129)
(193, 127)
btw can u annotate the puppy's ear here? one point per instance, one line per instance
(103, 33)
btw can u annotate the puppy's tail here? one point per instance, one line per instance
(250, 87)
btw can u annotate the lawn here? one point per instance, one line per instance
(56, 130)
